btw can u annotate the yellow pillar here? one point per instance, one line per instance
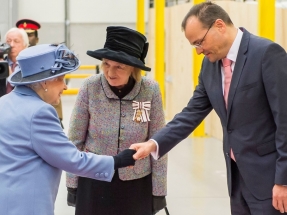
(140, 16)
(140, 25)
(266, 19)
(196, 66)
(159, 46)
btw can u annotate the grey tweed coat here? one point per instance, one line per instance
(103, 124)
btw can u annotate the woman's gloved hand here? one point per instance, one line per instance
(158, 203)
(71, 198)
(124, 158)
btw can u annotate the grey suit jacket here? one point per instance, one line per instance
(255, 122)
(33, 151)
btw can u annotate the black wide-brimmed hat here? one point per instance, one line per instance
(43, 62)
(125, 46)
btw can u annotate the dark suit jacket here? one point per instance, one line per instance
(3, 82)
(255, 122)
(2, 87)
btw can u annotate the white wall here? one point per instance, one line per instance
(8, 15)
(102, 11)
(81, 11)
(50, 11)
(88, 21)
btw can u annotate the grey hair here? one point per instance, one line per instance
(38, 85)
(35, 86)
(23, 34)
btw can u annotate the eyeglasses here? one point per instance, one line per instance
(198, 45)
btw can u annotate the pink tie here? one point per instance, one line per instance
(9, 88)
(227, 80)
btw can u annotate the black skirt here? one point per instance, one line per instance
(114, 198)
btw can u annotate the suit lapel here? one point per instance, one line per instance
(240, 62)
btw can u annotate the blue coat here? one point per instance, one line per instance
(33, 152)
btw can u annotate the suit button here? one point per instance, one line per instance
(227, 154)
(229, 131)
(106, 175)
(97, 175)
(101, 175)
(123, 115)
(122, 126)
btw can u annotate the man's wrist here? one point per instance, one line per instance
(155, 153)
(153, 145)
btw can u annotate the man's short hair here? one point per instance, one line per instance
(207, 13)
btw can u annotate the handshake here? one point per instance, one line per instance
(136, 151)
(125, 158)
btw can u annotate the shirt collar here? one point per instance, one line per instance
(233, 51)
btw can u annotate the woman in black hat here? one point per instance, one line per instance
(112, 111)
(34, 148)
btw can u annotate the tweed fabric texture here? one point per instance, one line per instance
(101, 122)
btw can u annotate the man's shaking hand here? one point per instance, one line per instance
(143, 149)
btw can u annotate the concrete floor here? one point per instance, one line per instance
(196, 176)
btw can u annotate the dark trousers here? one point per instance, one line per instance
(242, 202)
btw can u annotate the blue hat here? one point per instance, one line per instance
(43, 62)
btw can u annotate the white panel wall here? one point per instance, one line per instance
(51, 11)
(8, 15)
(81, 11)
(103, 11)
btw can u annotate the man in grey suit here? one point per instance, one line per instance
(249, 95)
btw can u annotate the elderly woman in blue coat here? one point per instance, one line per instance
(33, 146)
(113, 110)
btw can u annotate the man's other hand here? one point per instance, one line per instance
(280, 198)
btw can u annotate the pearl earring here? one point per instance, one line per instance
(46, 90)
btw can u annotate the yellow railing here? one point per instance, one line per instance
(88, 67)
(75, 91)
(69, 76)
(71, 91)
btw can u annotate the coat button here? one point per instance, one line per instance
(229, 131)
(227, 154)
(106, 175)
(122, 126)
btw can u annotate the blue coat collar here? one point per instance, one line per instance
(24, 90)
